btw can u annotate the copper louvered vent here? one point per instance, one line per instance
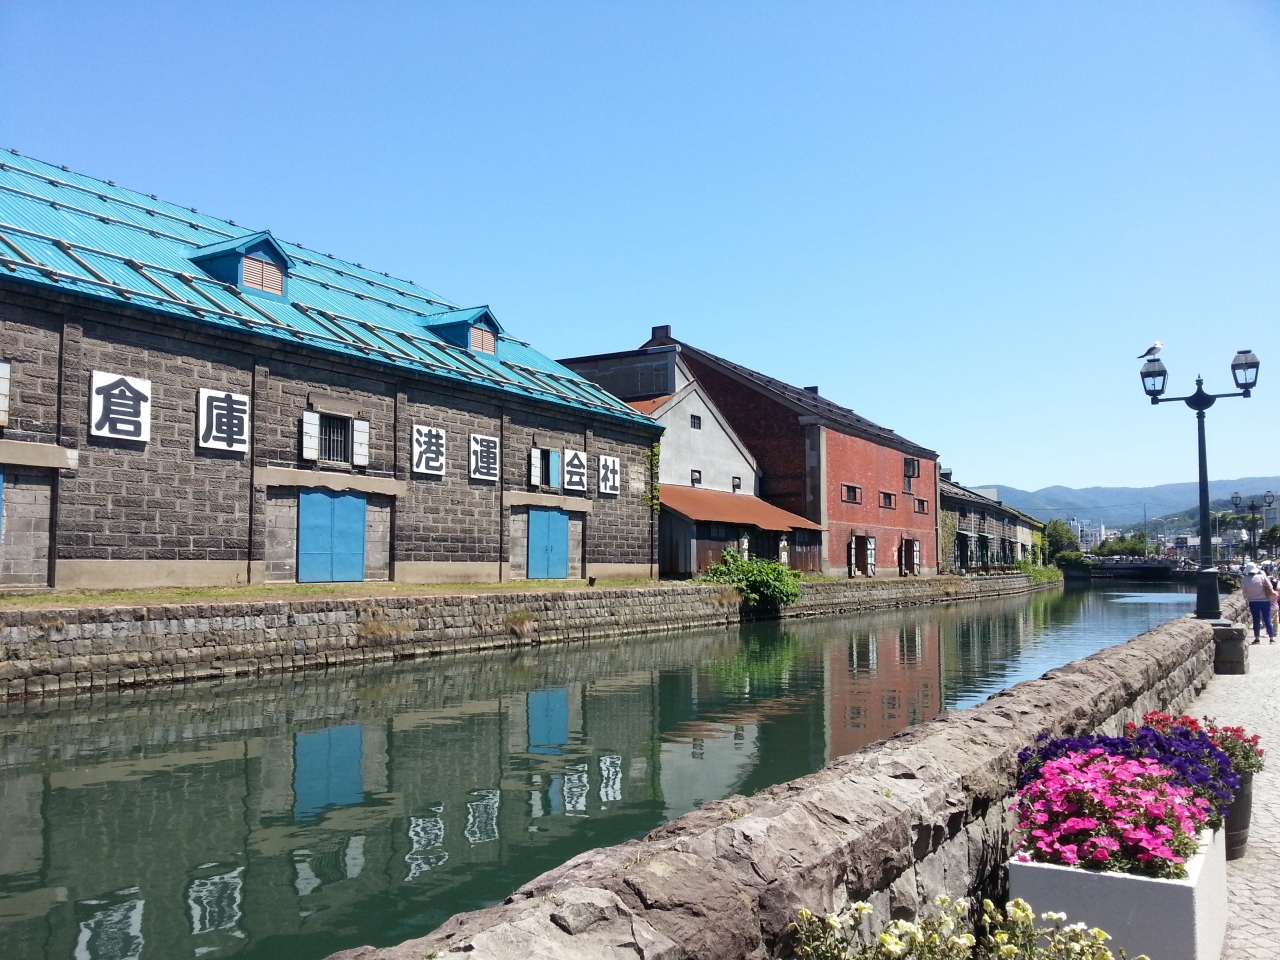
(483, 340)
(263, 275)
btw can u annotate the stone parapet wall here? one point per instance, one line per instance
(922, 813)
(86, 649)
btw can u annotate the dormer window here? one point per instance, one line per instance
(255, 263)
(473, 328)
(263, 275)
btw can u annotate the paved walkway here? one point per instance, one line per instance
(1253, 924)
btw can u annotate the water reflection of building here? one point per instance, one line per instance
(331, 810)
(885, 677)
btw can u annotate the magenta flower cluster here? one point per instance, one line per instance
(1106, 812)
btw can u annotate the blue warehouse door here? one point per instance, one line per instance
(548, 544)
(330, 536)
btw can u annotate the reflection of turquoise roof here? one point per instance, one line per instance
(65, 231)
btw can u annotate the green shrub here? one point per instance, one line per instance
(1072, 560)
(761, 583)
(1039, 574)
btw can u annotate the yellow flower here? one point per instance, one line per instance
(1051, 915)
(942, 900)
(988, 906)
(862, 908)
(805, 914)
(1099, 934)
(1008, 950)
(833, 922)
(892, 945)
(1020, 911)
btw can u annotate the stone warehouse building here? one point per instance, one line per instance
(184, 401)
(870, 494)
(980, 533)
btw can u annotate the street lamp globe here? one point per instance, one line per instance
(1244, 368)
(1236, 500)
(1154, 375)
(1268, 498)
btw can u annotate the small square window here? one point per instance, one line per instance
(695, 421)
(263, 275)
(483, 340)
(737, 484)
(335, 439)
(888, 500)
(850, 493)
(695, 477)
(922, 506)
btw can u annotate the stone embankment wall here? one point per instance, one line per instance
(84, 649)
(922, 813)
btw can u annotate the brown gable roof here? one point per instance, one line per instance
(831, 414)
(648, 406)
(716, 506)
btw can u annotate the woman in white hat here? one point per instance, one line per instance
(1257, 589)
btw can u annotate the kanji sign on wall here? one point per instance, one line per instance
(223, 420)
(428, 450)
(119, 407)
(610, 479)
(484, 458)
(575, 470)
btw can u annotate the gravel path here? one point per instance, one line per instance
(1253, 925)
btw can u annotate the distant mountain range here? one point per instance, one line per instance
(1119, 506)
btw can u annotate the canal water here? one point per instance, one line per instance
(294, 816)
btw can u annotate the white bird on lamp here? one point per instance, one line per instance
(1152, 351)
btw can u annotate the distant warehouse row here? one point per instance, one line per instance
(185, 402)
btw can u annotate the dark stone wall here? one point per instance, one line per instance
(169, 500)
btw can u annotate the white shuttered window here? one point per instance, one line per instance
(360, 443)
(5, 372)
(310, 435)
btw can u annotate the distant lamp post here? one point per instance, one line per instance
(1155, 378)
(1268, 498)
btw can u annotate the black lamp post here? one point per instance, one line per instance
(1244, 370)
(1268, 498)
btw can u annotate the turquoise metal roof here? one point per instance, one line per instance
(66, 231)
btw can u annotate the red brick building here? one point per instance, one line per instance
(874, 492)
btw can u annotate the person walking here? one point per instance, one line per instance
(1257, 589)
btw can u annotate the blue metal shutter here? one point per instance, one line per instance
(315, 536)
(331, 532)
(538, 533)
(558, 545)
(349, 512)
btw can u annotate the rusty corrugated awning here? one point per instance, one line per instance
(716, 506)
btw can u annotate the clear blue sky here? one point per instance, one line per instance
(964, 220)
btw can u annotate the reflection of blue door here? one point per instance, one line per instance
(548, 544)
(330, 536)
(326, 770)
(548, 720)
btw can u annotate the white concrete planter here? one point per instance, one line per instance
(1165, 919)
